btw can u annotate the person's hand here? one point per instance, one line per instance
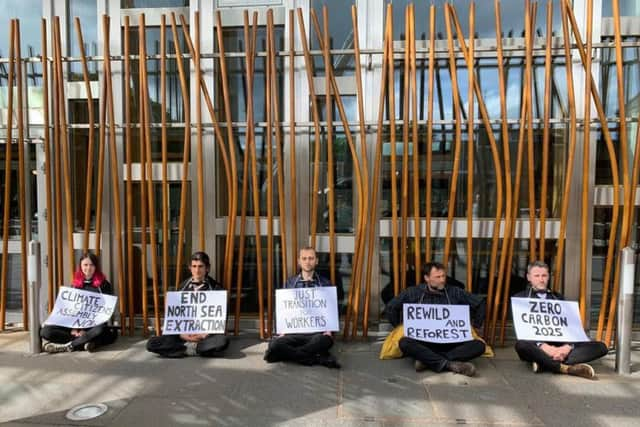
(327, 333)
(556, 353)
(563, 352)
(77, 332)
(193, 337)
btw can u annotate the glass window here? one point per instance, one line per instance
(627, 8)
(88, 14)
(130, 4)
(29, 12)
(512, 13)
(341, 35)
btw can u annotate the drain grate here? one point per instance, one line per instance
(87, 411)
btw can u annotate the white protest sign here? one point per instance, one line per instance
(547, 320)
(306, 310)
(78, 309)
(437, 323)
(202, 312)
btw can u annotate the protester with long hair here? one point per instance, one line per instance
(87, 277)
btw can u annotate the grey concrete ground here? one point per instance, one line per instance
(242, 390)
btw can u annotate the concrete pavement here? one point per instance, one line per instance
(242, 390)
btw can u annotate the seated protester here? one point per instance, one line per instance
(438, 357)
(205, 345)
(305, 349)
(562, 358)
(88, 277)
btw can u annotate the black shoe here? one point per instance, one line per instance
(90, 347)
(178, 354)
(419, 366)
(329, 361)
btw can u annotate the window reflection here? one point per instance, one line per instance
(627, 8)
(88, 13)
(128, 4)
(341, 35)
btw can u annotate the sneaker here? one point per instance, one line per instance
(463, 368)
(583, 370)
(535, 367)
(191, 348)
(90, 347)
(419, 366)
(52, 347)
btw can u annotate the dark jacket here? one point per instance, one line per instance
(209, 285)
(529, 292)
(297, 282)
(449, 295)
(104, 288)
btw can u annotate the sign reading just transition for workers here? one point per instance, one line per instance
(437, 323)
(78, 309)
(203, 312)
(306, 310)
(547, 320)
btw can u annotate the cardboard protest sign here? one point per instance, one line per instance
(78, 309)
(547, 320)
(306, 310)
(437, 323)
(203, 312)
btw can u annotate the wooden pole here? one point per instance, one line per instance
(7, 180)
(628, 192)
(546, 128)
(458, 135)
(614, 174)
(269, 170)
(404, 184)
(21, 179)
(47, 164)
(249, 140)
(57, 175)
(486, 120)
(279, 144)
(361, 236)
(65, 147)
(394, 189)
(186, 149)
(308, 65)
(429, 156)
(129, 183)
(115, 179)
(470, 146)
(586, 149)
(326, 53)
(199, 160)
(89, 175)
(166, 236)
(417, 255)
(530, 142)
(293, 206)
(373, 206)
(352, 149)
(232, 157)
(143, 172)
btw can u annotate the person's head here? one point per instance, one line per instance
(88, 271)
(307, 259)
(435, 275)
(538, 275)
(199, 266)
(88, 265)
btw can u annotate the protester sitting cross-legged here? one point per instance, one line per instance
(88, 277)
(205, 345)
(305, 349)
(439, 357)
(558, 357)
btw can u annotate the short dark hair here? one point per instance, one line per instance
(201, 256)
(428, 267)
(308, 248)
(538, 263)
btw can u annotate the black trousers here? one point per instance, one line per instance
(174, 346)
(436, 356)
(299, 348)
(100, 335)
(582, 352)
